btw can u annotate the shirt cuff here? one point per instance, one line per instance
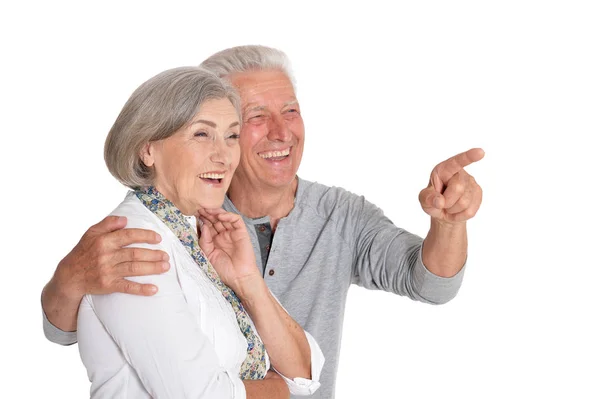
(303, 386)
(433, 288)
(56, 335)
(237, 386)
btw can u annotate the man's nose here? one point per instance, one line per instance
(279, 130)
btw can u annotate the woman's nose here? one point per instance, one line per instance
(219, 153)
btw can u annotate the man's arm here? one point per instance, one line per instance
(445, 248)
(431, 270)
(451, 198)
(98, 265)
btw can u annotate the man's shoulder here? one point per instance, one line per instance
(326, 198)
(313, 189)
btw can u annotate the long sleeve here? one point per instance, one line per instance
(390, 258)
(56, 335)
(158, 337)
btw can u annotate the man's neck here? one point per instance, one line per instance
(253, 201)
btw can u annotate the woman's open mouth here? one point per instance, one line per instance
(212, 177)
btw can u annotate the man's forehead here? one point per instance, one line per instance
(261, 81)
(264, 88)
(257, 106)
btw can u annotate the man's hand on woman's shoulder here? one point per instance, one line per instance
(99, 264)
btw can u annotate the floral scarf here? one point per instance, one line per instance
(254, 366)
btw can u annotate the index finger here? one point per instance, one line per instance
(233, 219)
(125, 237)
(454, 164)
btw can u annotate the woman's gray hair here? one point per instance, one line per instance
(248, 58)
(155, 111)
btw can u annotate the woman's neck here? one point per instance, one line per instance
(187, 209)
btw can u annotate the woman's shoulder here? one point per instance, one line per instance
(138, 216)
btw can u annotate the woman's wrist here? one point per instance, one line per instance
(252, 291)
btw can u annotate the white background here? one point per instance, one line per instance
(386, 94)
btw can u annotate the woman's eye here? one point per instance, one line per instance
(234, 136)
(200, 134)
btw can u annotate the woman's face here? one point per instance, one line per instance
(193, 167)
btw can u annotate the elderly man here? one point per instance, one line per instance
(311, 241)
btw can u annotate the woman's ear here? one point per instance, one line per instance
(147, 154)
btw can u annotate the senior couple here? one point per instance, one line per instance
(205, 283)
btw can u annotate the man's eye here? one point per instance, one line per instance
(257, 119)
(292, 112)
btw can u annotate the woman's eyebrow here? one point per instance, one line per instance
(212, 124)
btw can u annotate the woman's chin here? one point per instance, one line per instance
(216, 204)
(209, 199)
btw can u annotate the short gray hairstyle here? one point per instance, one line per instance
(249, 58)
(155, 111)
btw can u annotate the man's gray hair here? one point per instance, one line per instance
(155, 111)
(249, 58)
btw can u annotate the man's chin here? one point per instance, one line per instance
(281, 181)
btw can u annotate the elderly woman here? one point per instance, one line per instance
(213, 330)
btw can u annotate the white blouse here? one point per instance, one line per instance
(183, 342)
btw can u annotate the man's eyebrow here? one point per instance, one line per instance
(262, 107)
(291, 102)
(255, 108)
(212, 124)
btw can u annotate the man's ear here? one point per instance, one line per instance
(147, 154)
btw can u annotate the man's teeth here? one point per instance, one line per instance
(212, 175)
(275, 154)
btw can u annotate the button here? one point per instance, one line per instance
(262, 228)
(267, 247)
(271, 272)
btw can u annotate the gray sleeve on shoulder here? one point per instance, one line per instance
(389, 258)
(56, 335)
